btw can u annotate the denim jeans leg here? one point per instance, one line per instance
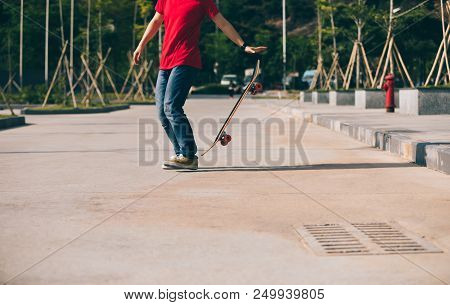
(160, 93)
(177, 90)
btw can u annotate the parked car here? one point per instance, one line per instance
(228, 78)
(248, 77)
(308, 76)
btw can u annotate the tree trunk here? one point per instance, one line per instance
(319, 44)
(100, 46)
(9, 62)
(333, 32)
(391, 20)
(445, 43)
(134, 24)
(72, 8)
(284, 44)
(88, 34)
(47, 20)
(358, 57)
(21, 46)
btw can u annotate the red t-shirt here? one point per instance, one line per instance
(182, 20)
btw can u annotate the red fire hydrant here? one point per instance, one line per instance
(389, 87)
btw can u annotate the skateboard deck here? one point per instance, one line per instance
(222, 136)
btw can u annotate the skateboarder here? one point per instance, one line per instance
(179, 62)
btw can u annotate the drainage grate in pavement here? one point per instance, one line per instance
(363, 239)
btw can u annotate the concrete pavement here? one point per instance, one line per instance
(77, 208)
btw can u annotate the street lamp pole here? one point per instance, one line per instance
(284, 44)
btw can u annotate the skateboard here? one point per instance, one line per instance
(252, 88)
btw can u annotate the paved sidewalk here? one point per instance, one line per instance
(424, 140)
(76, 207)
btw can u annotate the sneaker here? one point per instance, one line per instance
(171, 160)
(181, 162)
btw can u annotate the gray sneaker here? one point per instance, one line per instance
(171, 160)
(181, 162)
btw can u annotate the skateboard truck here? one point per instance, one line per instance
(225, 139)
(255, 88)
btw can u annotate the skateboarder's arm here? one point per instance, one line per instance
(150, 32)
(228, 29)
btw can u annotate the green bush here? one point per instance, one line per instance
(32, 94)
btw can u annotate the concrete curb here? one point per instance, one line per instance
(31, 111)
(12, 122)
(438, 158)
(434, 155)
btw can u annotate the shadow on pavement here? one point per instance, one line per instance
(332, 166)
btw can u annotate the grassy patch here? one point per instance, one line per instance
(5, 116)
(150, 102)
(80, 107)
(59, 109)
(211, 89)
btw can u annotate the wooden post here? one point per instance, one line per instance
(438, 55)
(55, 75)
(445, 40)
(380, 63)
(335, 53)
(2, 90)
(358, 54)
(320, 70)
(319, 41)
(130, 71)
(108, 76)
(389, 52)
(72, 88)
(66, 67)
(403, 66)
(94, 82)
(130, 92)
(366, 62)
(386, 63)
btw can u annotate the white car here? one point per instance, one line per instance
(228, 78)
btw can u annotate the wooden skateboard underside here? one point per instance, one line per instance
(222, 136)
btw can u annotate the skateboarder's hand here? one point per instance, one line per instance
(137, 55)
(255, 50)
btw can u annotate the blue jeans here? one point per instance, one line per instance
(172, 89)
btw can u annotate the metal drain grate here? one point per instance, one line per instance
(363, 239)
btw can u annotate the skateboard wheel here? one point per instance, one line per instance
(223, 143)
(227, 138)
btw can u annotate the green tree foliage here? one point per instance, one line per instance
(259, 22)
